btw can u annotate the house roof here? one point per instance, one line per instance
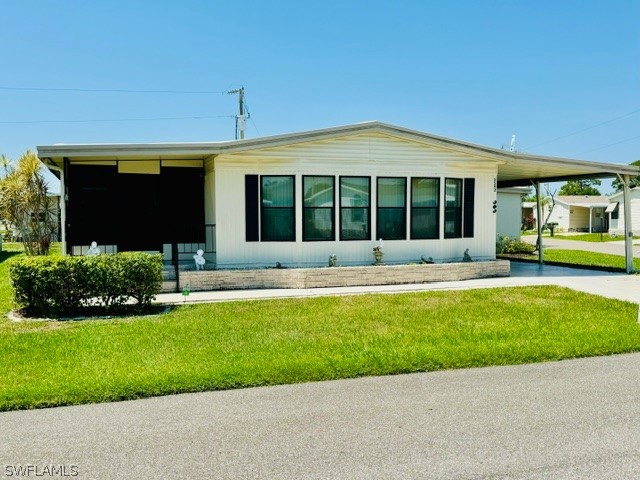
(618, 195)
(514, 169)
(583, 200)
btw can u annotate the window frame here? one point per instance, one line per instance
(332, 208)
(263, 237)
(436, 208)
(378, 207)
(341, 207)
(458, 209)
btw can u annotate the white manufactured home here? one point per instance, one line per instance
(580, 213)
(615, 212)
(298, 198)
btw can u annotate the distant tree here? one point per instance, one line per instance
(580, 187)
(24, 203)
(549, 201)
(5, 163)
(633, 181)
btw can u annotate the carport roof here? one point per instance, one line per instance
(514, 169)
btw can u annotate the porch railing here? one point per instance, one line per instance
(209, 246)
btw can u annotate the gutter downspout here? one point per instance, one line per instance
(539, 222)
(628, 236)
(63, 209)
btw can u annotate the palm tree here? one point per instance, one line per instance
(25, 204)
(5, 162)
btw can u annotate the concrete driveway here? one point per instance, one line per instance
(576, 419)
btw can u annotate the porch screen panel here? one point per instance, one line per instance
(91, 212)
(278, 208)
(453, 208)
(392, 216)
(469, 206)
(425, 195)
(318, 208)
(251, 211)
(181, 200)
(355, 214)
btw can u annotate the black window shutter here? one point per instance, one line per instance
(469, 204)
(251, 204)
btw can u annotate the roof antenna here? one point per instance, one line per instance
(512, 145)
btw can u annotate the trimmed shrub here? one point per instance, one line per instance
(506, 244)
(63, 286)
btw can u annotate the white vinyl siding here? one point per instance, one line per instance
(370, 156)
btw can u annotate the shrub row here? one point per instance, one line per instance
(63, 286)
(513, 245)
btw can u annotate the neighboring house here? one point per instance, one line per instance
(574, 213)
(615, 212)
(510, 218)
(297, 198)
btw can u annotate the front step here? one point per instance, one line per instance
(169, 274)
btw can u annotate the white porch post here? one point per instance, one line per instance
(539, 222)
(63, 214)
(62, 204)
(590, 220)
(628, 236)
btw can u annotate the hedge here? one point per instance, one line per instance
(63, 286)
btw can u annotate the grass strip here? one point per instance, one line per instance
(580, 258)
(241, 344)
(591, 237)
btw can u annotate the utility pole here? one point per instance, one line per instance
(241, 119)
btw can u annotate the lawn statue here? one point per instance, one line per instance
(467, 257)
(94, 249)
(333, 260)
(378, 253)
(199, 259)
(426, 260)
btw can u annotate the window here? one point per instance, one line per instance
(425, 195)
(318, 213)
(392, 218)
(278, 208)
(354, 208)
(453, 208)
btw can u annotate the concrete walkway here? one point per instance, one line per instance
(576, 419)
(612, 285)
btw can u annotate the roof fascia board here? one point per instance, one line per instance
(211, 148)
(527, 181)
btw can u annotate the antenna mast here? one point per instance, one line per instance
(241, 119)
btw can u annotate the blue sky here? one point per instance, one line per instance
(477, 71)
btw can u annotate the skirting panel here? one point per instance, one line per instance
(341, 276)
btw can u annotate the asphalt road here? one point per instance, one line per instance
(576, 419)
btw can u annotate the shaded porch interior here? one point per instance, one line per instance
(127, 206)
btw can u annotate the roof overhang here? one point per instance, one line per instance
(514, 169)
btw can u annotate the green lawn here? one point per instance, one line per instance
(584, 258)
(242, 344)
(592, 237)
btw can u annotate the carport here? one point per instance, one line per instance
(520, 170)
